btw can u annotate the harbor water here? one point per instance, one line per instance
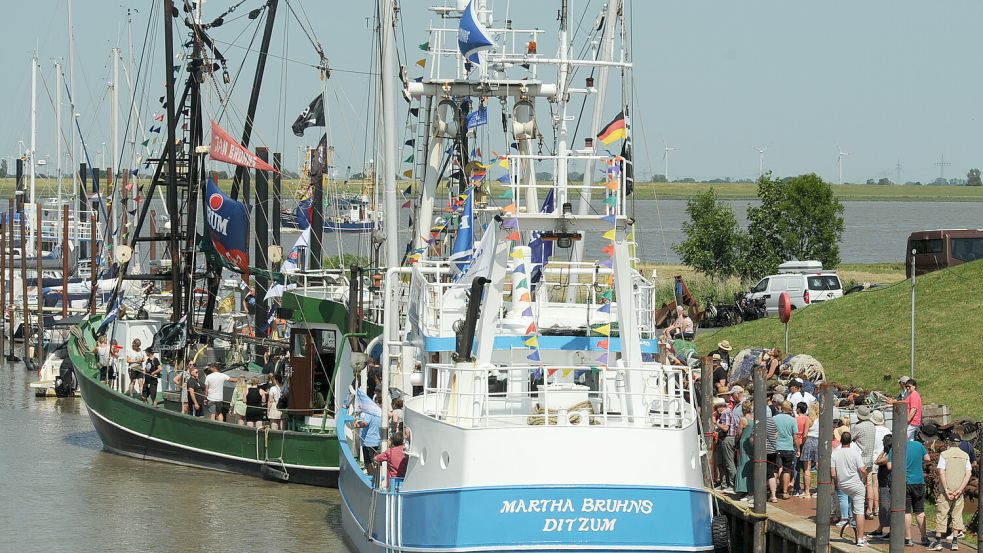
(876, 232)
(71, 495)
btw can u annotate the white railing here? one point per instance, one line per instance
(576, 395)
(597, 190)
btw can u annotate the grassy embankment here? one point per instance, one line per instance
(660, 190)
(863, 339)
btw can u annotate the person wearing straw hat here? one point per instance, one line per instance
(718, 370)
(723, 350)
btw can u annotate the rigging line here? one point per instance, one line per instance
(130, 112)
(235, 81)
(297, 61)
(314, 43)
(51, 101)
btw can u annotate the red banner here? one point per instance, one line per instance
(225, 148)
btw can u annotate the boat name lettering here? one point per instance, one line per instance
(581, 524)
(587, 505)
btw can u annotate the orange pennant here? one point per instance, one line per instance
(514, 236)
(509, 208)
(608, 250)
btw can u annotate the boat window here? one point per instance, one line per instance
(824, 282)
(967, 249)
(761, 286)
(925, 245)
(300, 344)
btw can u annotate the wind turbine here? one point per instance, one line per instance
(761, 160)
(665, 157)
(839, 162)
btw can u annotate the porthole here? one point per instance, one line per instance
(445, 459)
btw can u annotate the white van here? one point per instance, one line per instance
(805, 281)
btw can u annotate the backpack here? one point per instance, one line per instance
(281, 404)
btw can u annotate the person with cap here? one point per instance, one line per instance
(903, 384)
(914, 492)
(797, 394)
(734, 396)
(726, 425)
(954, 469)
(849, 473)
(865, 436)
(723, 350)
(883, 488)
(151, 371)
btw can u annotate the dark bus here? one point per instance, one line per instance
(938, 249)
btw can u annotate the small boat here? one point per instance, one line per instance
(345, 213)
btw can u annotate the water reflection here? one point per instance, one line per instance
(63, 492)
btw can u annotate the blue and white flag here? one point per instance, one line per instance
(304, 212)
(481, 261)
(477, 118)
(110, 315)
(472, 37)
(542, 249)
(463, 248)
(362, 403)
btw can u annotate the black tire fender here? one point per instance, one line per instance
(720, 531)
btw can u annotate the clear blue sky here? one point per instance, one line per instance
(886, 80)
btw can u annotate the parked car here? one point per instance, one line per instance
(805, 281)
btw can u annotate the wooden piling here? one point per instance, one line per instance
(93, 274)
(10, 286)
(39, 353)
(760, 460)
(64, 261)
(824, 491)
(23, 283)
(4, 223)
(899, 478)
(706, 414)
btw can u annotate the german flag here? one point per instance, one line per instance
(614, 131)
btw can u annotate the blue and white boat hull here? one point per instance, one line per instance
(555, 518)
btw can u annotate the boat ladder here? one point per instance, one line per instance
(274, 468)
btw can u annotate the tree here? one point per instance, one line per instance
(973, 178)
(884, 181)
(713, 237)
(3, 169)
(799, 218)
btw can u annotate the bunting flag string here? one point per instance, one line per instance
(441, 225)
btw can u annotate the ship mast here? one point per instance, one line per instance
(388, 132)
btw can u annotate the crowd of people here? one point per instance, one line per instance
(258, 401)
(861, 461)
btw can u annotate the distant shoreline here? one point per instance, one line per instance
(643, 191)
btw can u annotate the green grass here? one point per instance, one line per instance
(863, 339)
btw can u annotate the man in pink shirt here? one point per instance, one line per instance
(914, 408)
(394, 456)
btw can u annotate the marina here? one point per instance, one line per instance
(445, 326)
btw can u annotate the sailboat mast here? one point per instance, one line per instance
(34, 120)
(114, 110)
(389, 133)
(71, 104)
(58, 109)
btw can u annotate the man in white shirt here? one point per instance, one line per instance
(850, 475)
(214, 392)
(798, 395)
(954, 470)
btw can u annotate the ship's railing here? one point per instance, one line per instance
(445, 63)
(577, 395)
(332, 282)
(439, 311)
(606, 199)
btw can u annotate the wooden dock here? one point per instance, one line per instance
(791, 528)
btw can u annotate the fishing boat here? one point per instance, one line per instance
(536, 413)
(194, 321)
(346, 213)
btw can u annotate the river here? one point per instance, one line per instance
(63, 493)
(876, 232)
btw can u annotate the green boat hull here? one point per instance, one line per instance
(130, 427)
